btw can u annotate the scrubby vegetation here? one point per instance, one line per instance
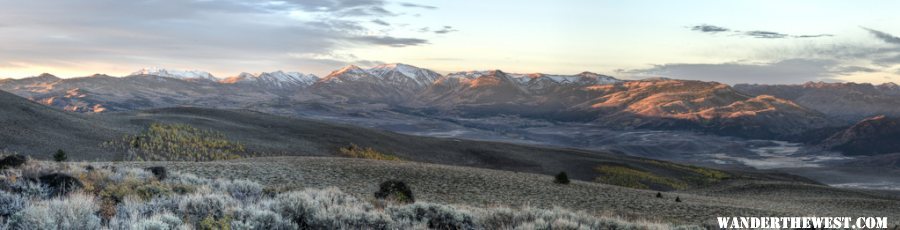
(396, 191)
(367, 153)
(177, 142)
(635, 178)
(702, 176)
(131, 198)
(11, 160)
(679, 176)
(561, 178)
(60, 156)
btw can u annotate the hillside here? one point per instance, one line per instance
(246, 133)
(696, 105)
(39, 130)
(849, 102)
(871, 136)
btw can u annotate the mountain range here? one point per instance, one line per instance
(849, 102)
(754, 111)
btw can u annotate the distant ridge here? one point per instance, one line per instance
(584, 97)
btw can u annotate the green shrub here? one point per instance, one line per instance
(60, 156)
(201, 207)
(178, 142)
(243, 190)
(355, 151)
(395, 190)
(700, 175)
(435, 215)
(329, 209)
(213, 223)
(561, 178)
(256, 218)
(635, 178)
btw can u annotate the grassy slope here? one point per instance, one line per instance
(482, 187)
(276, 135)
(37, 130)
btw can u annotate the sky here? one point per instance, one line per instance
(767, 42)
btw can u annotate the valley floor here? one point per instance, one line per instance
(484, 187)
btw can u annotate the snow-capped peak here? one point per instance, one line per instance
(279, 79)
(350, 69)
(404, 69)
(404, 73)
(472, 74)
(889, 86)
(392, 74)
(177, 74)
(584, 78)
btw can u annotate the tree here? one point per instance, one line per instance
(562, 178)
(60, 156)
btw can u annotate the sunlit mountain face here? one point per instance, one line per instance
(584, 97)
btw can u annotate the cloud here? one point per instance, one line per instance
(368, 63)
(218, 35)
(5, 64)
(887, 61)
(793, 62)
(848, 70)
(790, 71)
(445, 30)
(814, 36)
(709, 28)
(413, 5)
(765, 34)
(381, 22)
(886, 37)
(391, 41)
(706, 28)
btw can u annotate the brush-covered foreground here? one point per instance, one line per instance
(111, 197)
(487, 188)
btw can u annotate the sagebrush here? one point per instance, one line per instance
(130, 198)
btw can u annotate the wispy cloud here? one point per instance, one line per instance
(711, 29)
(391, 41)
(445, 29)
(814, 36)
(792, 63)
(765, 34)
(886, 37)
(381, 22)
(413, 5)
(780, 72)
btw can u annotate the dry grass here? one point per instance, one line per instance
(490, 188)
(355, 151)
(634, 178)
(116, 197)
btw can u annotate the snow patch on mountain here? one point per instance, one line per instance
(394, 74)
(277, 79)
(177, 74)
